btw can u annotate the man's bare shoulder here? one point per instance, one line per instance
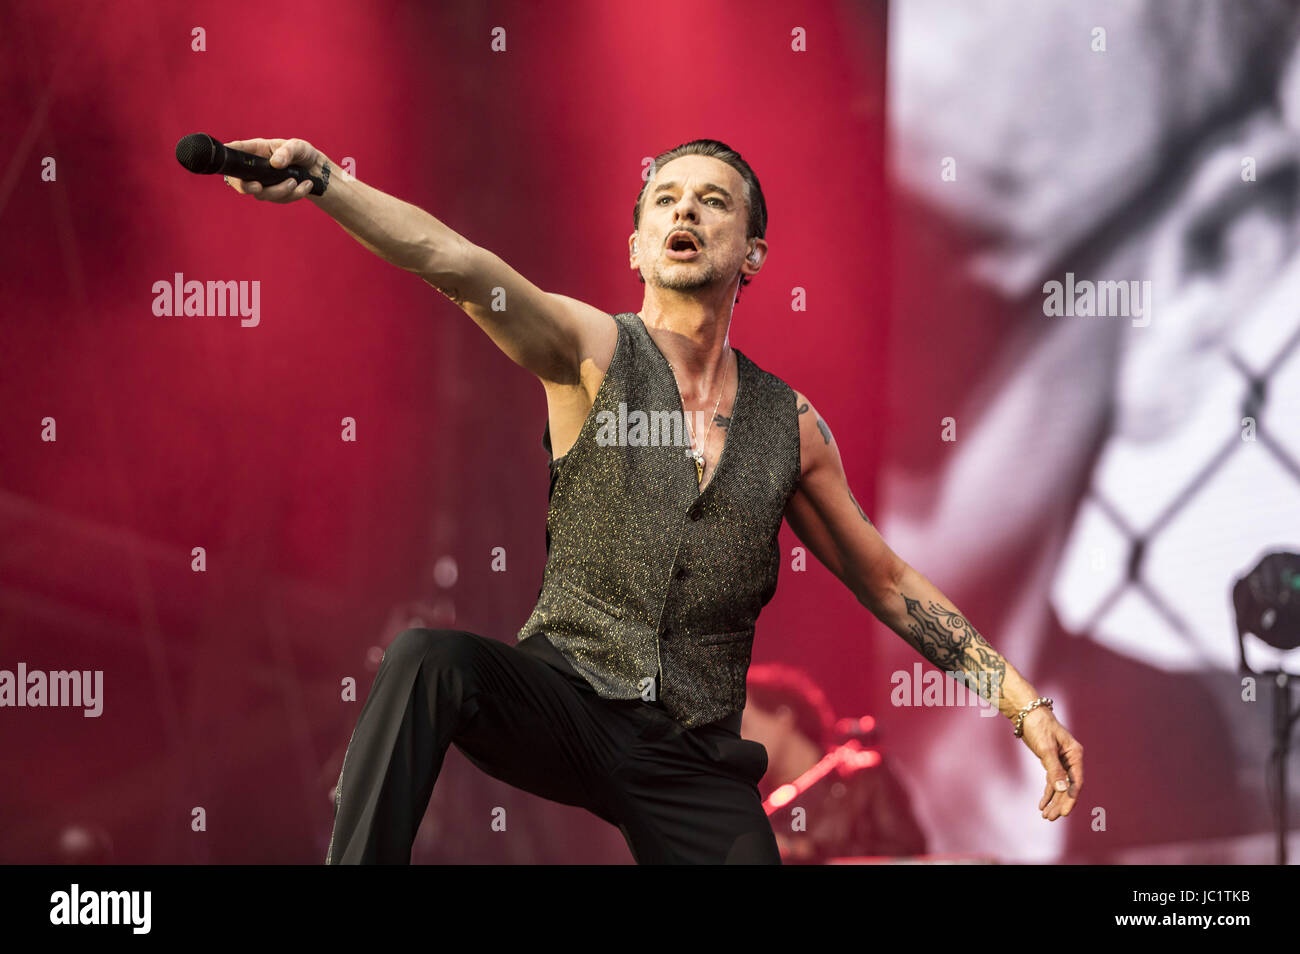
(596, 336)
(595, 333)
(815, 438)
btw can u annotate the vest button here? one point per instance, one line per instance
(681, 572)
(695, 513)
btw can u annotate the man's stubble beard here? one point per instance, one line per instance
(683, 279)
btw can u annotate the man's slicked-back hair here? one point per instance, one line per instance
(754, 201)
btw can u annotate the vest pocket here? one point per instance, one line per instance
(590, 599)
(716, 638)
(723, 666)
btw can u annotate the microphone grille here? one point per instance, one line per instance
(198, 152)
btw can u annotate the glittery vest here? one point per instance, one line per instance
(652, 588)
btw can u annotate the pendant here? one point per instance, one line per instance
(699, 467)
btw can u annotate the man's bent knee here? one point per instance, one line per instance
(433, 648)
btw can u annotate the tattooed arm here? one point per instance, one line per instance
(825, 515)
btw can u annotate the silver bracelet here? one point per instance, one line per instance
(1020, 716)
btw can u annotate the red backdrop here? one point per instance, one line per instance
(222, 688)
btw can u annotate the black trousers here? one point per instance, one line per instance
(524, 716)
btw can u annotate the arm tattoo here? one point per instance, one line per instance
(451, 293)
(859, 506)
(944, 637)
(821, 425)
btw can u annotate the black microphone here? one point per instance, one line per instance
(204, 155)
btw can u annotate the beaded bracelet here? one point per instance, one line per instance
(1020, 716)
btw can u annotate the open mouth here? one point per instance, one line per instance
(681, 245)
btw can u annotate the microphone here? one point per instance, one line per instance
(204, 155)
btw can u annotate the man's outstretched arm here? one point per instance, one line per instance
(548, 334)
(824, 515)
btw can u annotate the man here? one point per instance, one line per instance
(625, 690)
(825, 801)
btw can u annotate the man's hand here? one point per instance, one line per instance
(1062, 757)
(281, 152)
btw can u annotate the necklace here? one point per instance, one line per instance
(697, 448)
